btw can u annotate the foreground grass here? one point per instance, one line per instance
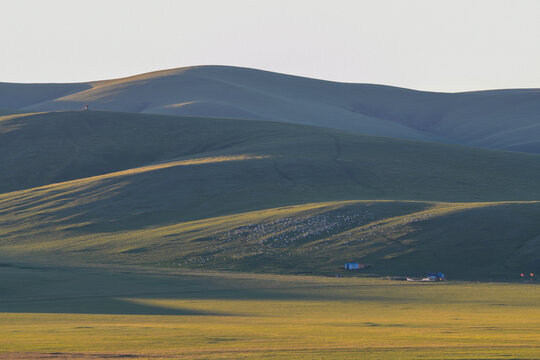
(97, 313)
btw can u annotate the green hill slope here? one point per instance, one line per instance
(465, 240)
(262, 196)
(298, 163)
(502, 119)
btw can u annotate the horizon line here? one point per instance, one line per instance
(267, 71)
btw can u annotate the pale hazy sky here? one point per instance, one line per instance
(451, 45)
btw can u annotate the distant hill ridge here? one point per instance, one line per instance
(500, 119)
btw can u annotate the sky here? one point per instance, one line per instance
(449, 46)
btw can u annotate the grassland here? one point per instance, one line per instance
(316, 164)
(49, 311)
(501, 119)
(477, 241)
(119, 233)
(261, 196)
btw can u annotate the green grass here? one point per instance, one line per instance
(4, 112)
(159, 314)
(99, 188)
(261, 196)
(477, 241)
(303, 163)
(119, 232)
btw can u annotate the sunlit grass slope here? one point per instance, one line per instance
(82, 313)
(261, 196)
(503, 119)
(465, 240)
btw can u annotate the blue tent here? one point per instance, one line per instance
(436, 276)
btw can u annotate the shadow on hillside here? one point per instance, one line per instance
(31, 288)
(47, 289)
(94, 305)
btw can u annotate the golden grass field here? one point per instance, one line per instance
(140, 313)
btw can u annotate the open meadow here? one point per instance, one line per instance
(52, 311)
(138, 235)
(322, 180)
(162, 237)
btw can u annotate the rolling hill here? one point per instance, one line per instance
(41, 149)
(473, 241)
(260, 196)
(500, 119)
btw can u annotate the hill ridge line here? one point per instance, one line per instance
(498, 119)
(152, 74)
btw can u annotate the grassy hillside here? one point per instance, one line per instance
(4, 112)
(502, 119)
(296, 164)
(465, 240)
(19, 96)
(260, 196)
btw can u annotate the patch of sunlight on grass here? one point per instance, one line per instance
(143, 169)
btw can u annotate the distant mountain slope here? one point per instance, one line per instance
(20, 96)
(502, 119)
